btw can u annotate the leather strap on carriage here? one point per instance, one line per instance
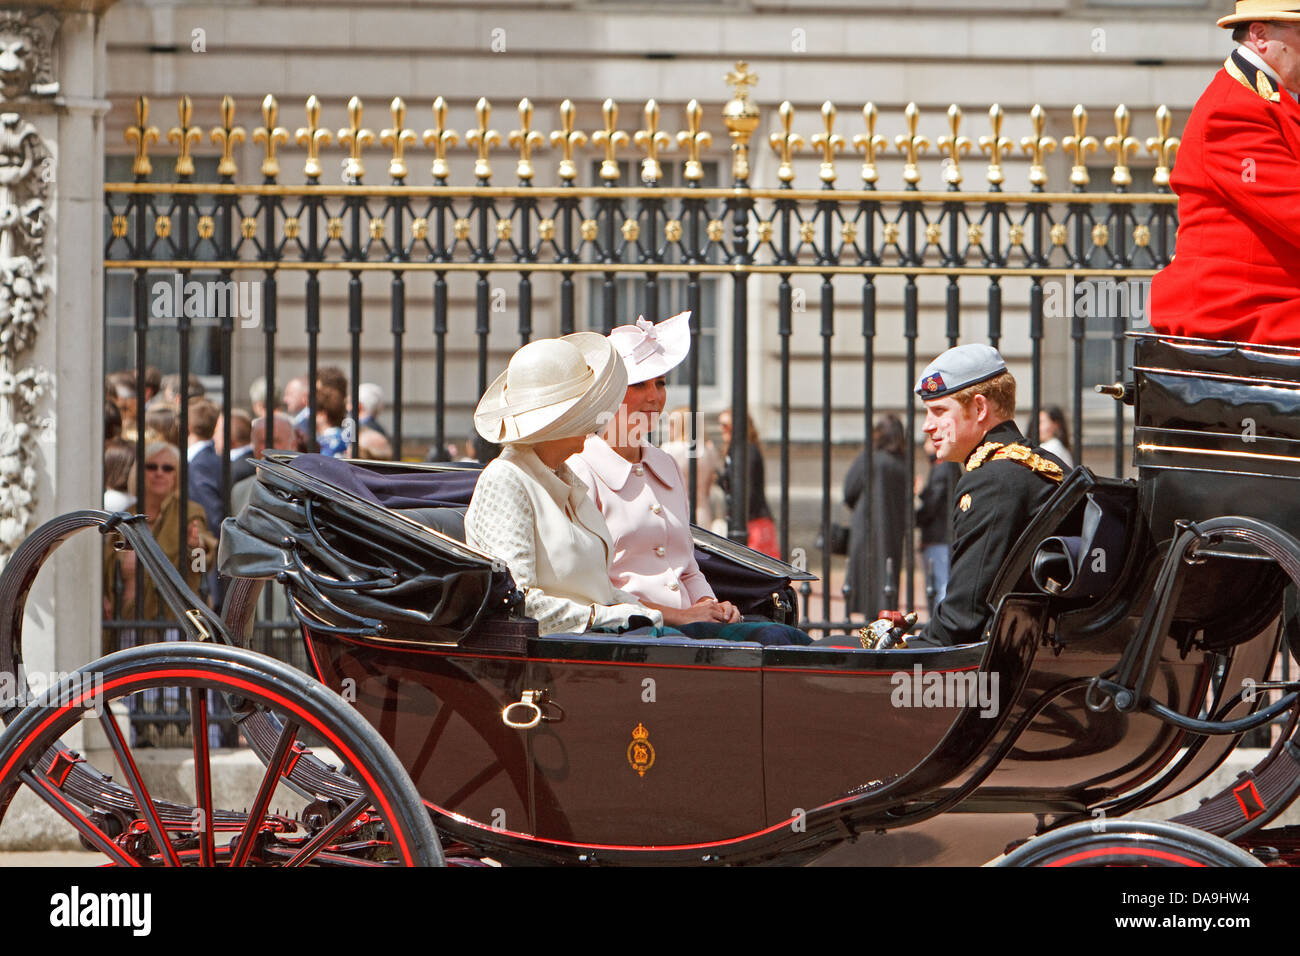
(187, 607)
(1020, 454)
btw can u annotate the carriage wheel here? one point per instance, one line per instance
(1129, 843)
(384, 821)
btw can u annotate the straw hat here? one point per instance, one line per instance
(1248, 10)
(651, 350)
(553, 388)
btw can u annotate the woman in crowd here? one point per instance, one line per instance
(641, 492)
(1054, 435)
(119, 474)
(529, 509)
(879, 524)
(760, 527)
(159, 500)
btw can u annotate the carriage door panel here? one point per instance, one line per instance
(646, 743)
(440, 711)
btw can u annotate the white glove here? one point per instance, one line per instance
(616, 615)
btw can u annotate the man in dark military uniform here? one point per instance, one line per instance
(970, 399)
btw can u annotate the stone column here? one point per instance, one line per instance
(52, 106)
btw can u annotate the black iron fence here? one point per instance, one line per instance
(1043, 260)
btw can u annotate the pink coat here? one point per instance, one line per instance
(647, 511)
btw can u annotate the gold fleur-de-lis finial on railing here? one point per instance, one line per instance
(185, 135)
(741, 114)
(1037, 147)
(227, 136)
(651, 139)
(610, 138)
(786, 143)
(1080, 144)
(868, 144)
(141, 134)
(398, 137)
(355, 137)
(829, 142)
(1163, 146)
(954, 144)
(524, 139)
(440, 138)
(313, 137)
(270, 136)
(1122, 145)
(911, 146)
(995, 146)
(693, 139)
(482, 138)
(568, 139)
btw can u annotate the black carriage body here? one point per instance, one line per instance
(682, 751)
(1218, 431)
(1102, 686)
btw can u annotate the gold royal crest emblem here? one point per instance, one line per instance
(965, 503)
(640, 752)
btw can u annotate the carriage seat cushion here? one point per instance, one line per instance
(393, 489)
(450, 521)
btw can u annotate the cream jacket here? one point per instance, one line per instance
(548, 531)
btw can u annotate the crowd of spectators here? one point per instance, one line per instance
(155, 489)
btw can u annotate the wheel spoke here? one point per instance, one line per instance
(136, 782)
(202, 773)
(330, 831)
(264, 793)
(376, 816)
(47, 792)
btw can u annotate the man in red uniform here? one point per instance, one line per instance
(1236, 272)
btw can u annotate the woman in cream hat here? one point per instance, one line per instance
(642, 495)
(528, 508)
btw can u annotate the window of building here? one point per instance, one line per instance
(162, 346)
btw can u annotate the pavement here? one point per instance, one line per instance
(52, 858)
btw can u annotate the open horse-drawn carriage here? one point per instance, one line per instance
(1137, 625)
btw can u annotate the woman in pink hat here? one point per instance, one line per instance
(641, 493)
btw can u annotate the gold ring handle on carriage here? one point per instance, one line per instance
(531, 702)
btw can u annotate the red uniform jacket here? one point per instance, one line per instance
(1236, 272)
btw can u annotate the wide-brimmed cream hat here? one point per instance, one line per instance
(553, 388)
(1248, 10)
(651, 350)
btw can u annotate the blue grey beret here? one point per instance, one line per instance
(959, 368)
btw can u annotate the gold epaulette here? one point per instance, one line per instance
(1022, 455)
(1261, 85)
(981, 453)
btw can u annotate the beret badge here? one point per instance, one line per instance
(933, 383)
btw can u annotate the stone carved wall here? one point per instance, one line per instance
(26, 178)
